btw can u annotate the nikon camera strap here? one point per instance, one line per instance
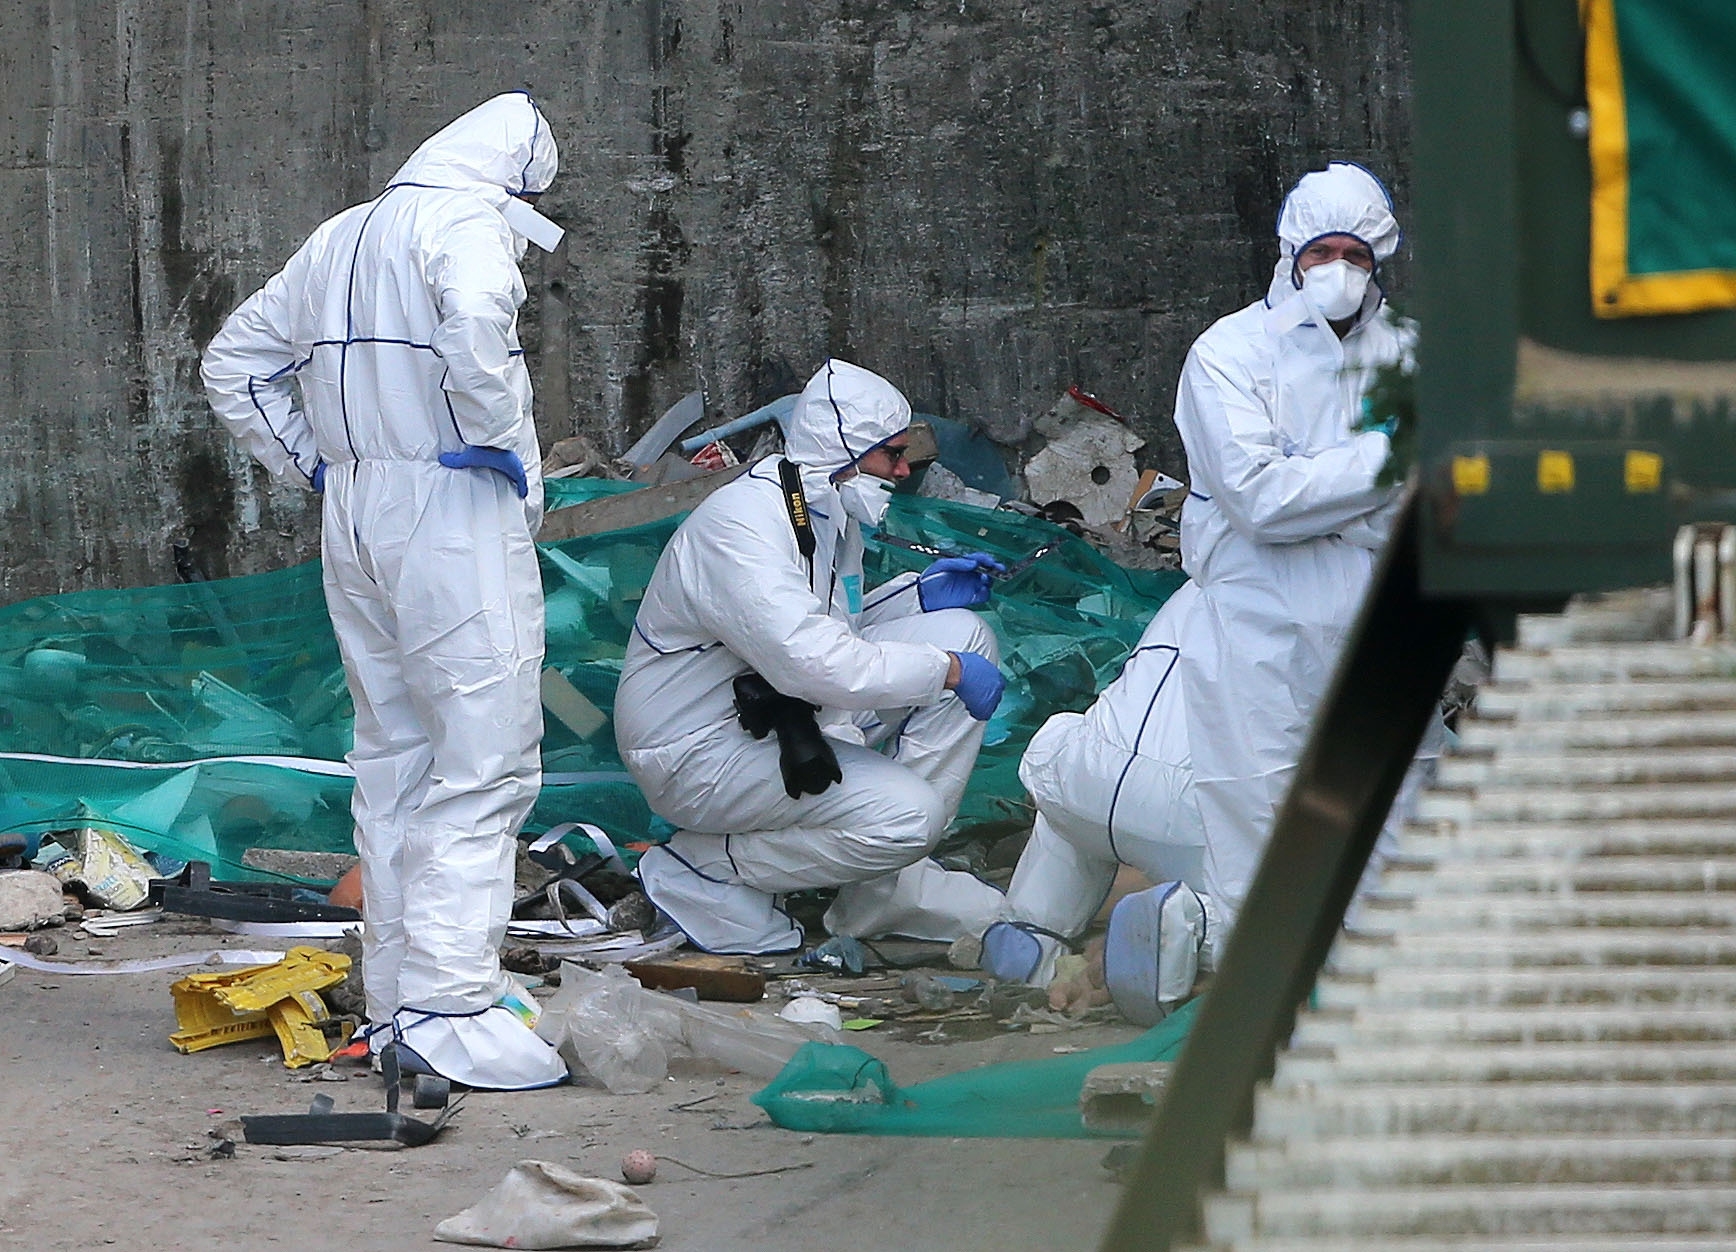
(790, 475)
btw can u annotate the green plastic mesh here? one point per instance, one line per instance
(113, 704)
(834, 1088)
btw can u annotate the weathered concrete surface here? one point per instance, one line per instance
(987, 202)
(104, 1139)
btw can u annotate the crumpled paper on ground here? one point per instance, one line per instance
(543, 1205)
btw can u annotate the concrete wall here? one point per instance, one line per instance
(985, 200)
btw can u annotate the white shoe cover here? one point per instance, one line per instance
(1151, 952)
(493, 1050)
(1013, 953)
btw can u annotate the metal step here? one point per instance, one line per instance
(1508, 911)
(1575, 701)
(1541, 1023)
(1578, 841)
(1586, 663)
(1595, 767)
(1567, 871)
(1641, 729)
(1476, 1211)
(1640, 986)
(1489, 1243)
(1528, 1042)
(1483, 1061)
(1533, 802)
(1579, 946)
(1481, 1160)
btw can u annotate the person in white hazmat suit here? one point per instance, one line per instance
(906, 669)
(1180, 766)
(397, 320)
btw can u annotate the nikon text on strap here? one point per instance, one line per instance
(790, 475)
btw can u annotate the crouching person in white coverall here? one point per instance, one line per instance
(398, 321)
(1181, 765)
(765, 577)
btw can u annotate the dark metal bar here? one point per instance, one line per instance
(1398, 659)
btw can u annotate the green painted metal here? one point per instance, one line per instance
(1503, 188)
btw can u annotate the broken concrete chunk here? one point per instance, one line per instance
(1122, 1099)
(940, 483)
(1090, 466)
(30, 898)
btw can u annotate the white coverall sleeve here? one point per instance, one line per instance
(1234, 458)
(478, 290)
(249, 371)
(894, 598)
(751, 592)
(1374, 528)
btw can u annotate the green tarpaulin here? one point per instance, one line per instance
(212, 717)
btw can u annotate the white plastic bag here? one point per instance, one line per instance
(611, 1030)
(608, 1030)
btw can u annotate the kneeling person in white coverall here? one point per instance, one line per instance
(765, 577)
(1180, 766)
(398, 320)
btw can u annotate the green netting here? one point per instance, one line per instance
(837, 1089)
(113, 703)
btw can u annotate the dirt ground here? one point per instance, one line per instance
(103, 1134)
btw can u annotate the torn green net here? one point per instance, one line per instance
(208, 718)
(833, 1088)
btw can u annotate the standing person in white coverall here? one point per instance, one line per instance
(1181, 765)
(905, 668)
(398, 320)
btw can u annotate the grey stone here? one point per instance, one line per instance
(30, 898)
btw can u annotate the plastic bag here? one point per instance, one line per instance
(608, 1030)
(613, 1031)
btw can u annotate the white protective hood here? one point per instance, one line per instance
(1342, 199)
(843, 413)
(500, 149)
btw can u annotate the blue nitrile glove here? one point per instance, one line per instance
(501, 461)
(980, 684)
(317, 478)
(957, 582)
(1387, 427)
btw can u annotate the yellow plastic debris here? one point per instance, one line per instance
(226, 1007)
(297, 1020)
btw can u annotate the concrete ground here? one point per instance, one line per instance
(103, 1138)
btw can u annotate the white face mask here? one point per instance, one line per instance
(1336, 288)
(865, 498)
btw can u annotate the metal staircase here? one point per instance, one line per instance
(1529, 1041)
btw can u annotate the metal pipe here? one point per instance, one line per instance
(777, 411)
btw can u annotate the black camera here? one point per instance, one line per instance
(805, 757)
